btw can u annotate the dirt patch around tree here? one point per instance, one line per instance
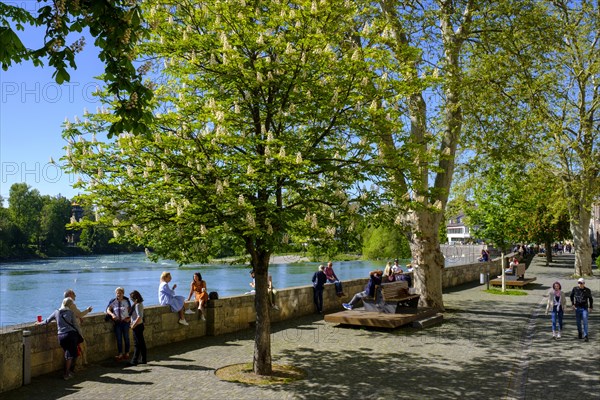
(243, 373)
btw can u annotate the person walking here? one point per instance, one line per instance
(319, 278)
(556, 305)
(582, 303)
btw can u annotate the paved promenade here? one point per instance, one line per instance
(489, 347)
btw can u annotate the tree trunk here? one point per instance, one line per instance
(429, 260)
(262, 338)
(427, 203)
(548, 253)
(503, 266)
(580, 224)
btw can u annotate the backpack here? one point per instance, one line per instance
(213, 296)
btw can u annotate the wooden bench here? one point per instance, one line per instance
(512, 282)
(391, 298)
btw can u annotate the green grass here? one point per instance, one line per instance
(507, 292)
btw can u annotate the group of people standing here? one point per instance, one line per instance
(581, 301)
(68, 318)
(125, 313)
(325, 274)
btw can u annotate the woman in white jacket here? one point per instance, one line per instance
(556, 305)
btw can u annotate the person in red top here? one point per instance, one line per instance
(332, 278)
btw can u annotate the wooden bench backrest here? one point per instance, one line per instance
(393, 290)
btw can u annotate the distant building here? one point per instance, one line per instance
(456, 230)
(73, 235)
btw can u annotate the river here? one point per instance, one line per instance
(32, 288)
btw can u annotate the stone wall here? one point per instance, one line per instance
(454, 276)
(11, 360)
(224, 315)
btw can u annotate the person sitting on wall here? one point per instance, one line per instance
(271, 289)
(166, 296)
(332, 278)
(485, 256)
(198, 289)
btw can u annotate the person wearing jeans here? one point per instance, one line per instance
(582, 302)
(318, 281)
(332, 278)
(119, 310)
(374, 281)
(556, 304)
(137, 326)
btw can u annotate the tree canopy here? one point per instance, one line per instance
(116, 26)
(258, 134)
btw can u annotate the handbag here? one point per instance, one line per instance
(79, 337)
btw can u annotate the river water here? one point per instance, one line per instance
(32, 288)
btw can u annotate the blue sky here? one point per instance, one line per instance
(32, 110)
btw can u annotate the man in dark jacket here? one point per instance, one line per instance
(582, 303)
(319, 278)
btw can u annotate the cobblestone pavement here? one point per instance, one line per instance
(489, 347)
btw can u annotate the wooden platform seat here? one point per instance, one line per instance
(511, 281)
(379, 319)
(392, 298)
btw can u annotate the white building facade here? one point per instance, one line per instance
(456, 231)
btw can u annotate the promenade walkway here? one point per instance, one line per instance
(489, 347)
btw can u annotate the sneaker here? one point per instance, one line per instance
(202, 317)
(276, 308)
(553, 335)
(67, 377)
(189, 311)
(347, 306)
(580, 336)
(558, 335)
(183, 322)
(585, 339)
